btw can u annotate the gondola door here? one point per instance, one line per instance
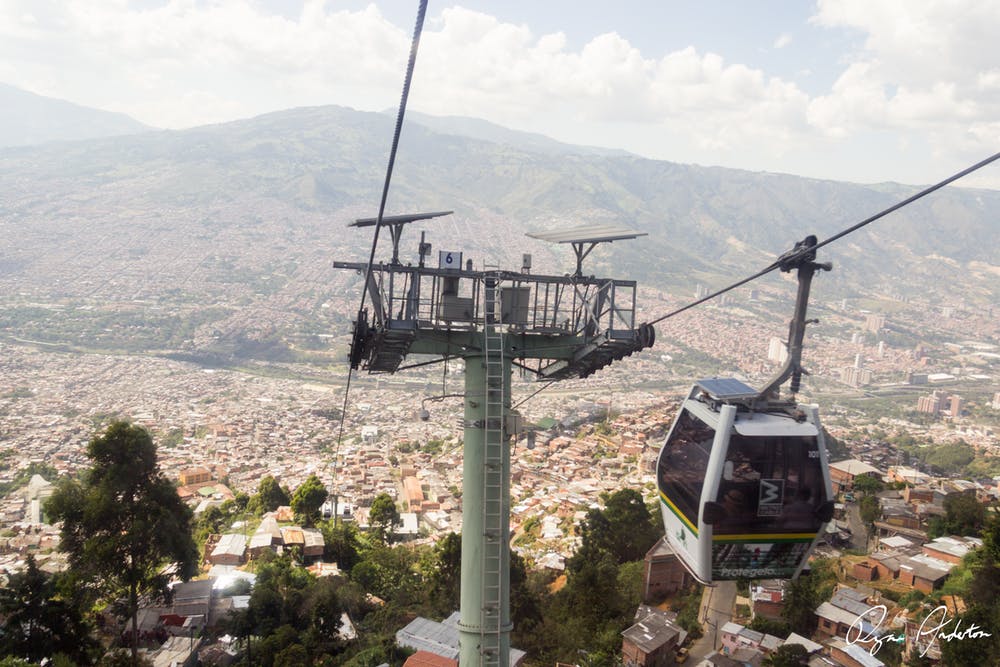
(695, 446)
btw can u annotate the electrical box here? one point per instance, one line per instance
(454, 308)
(514, 304)
(515, 423)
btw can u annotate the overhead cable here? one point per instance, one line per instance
(839, 235)
(414, 44)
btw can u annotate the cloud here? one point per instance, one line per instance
(185, 62)
(189, 62)
(927, 72)
(923, 68)
(475, 65)
(934, 62)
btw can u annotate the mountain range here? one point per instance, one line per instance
(28, 119)
(248, 215)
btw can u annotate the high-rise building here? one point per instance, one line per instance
(856, 377)
(931, 404)
(777, 350)
(874, 323)
(955, 405)
(996, 401)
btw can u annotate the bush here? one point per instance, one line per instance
(770, 627)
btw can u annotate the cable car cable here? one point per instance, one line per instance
(906, 202)
(414, 44)
(411, 62)
(538, 391)
(777, 264)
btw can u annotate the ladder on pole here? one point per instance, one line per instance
(493, 472)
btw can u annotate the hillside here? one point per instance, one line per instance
(227, 232)
(27, 119)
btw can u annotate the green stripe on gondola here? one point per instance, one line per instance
(680, 515)
(764, 538)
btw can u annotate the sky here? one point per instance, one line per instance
(864, 91)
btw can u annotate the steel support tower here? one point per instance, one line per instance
(558, 327)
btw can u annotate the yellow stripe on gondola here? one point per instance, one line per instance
(769, 537)
(680, 515)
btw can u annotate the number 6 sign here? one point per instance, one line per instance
(449, 260)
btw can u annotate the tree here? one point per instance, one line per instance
(11, 661)
(40, 621)
(308, 499)
(340, 543)
(868, 485)
(801, 599)
(624, 529)
(870, 511)
(836, 447)
(270, 496)
(124, 522)
(383, 515)
(964, 515)
(278, 596)
(445, 574)
(391, 573)
(769, 626)
(788, 655)
(294, 617)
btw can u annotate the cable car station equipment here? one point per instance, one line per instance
(558, 327)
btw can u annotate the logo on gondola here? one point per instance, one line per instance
(771, 494)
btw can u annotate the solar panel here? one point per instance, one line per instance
(595, 233)
(398, 219)
(727, 388)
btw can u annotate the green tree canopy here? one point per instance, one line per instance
(870, 511)
(294, 617)
(964, 515)
(982, 595)
(308, 498)
(445, 574)
(801, 599)
(341, 543)
(950, 458)
(124, 522)
(40, 620)
(383, 515)
(270, 496)
(868, 484)
(625, 529)
(788, 655)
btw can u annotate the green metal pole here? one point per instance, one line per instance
(477, 543)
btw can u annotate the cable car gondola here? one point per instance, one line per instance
(743, 475)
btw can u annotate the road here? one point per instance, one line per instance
(716, 610)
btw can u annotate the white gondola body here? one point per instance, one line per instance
(763, 478)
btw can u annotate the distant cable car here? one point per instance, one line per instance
(743, 476)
